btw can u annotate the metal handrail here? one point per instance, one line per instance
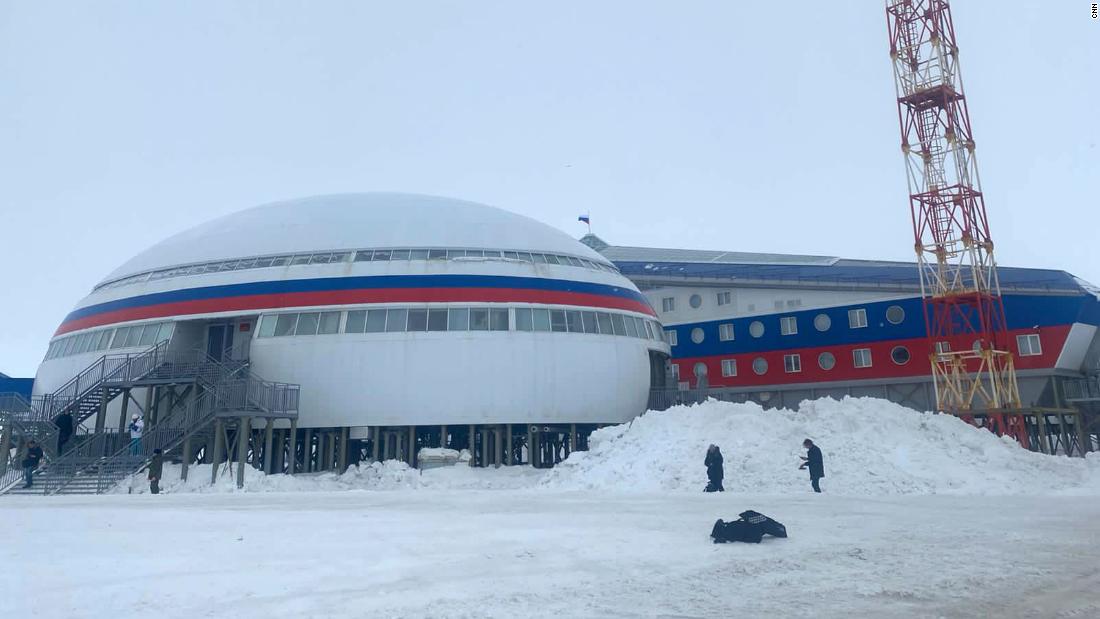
(108, 368)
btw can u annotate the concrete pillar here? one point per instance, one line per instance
(572, 439)
(498, 447)
(216, 455)
(532, 447)
(508, 458)
(343, 449)
(307, 451)
(385, 443)
(185, 457)
(412, 446)
(472, 432)
(278, 452)
(375, 433)
(443, 436)
(330, 452)
(268, 436)
(292, 447)
(244, 429)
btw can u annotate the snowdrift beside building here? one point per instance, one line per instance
(871, 447)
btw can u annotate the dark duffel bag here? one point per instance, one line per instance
(736, 531)
(769, 526)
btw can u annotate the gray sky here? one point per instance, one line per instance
(720, 125)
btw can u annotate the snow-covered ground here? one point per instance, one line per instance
(923, 516)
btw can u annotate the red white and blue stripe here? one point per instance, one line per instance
(328, 291)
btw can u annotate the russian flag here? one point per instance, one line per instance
(583, 218)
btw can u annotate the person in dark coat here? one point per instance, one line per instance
(31, 457)
(813, 461)
(715, 473)
(156, 467)
(64, 423)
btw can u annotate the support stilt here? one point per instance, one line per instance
(216, 456)
(509, 457)
(244, 429)
(292, 449)
(268, 437)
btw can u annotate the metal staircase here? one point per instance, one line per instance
(102, 459)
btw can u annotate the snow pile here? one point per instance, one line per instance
(870, 447)
(388, 475)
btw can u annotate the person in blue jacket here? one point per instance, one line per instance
(812, 460)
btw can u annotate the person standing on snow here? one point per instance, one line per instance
(137, 426)
(156, 467)
(715, 473)
(813, 461)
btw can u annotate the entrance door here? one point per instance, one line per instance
(219, 339)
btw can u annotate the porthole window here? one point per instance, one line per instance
(697, 335)
(695, 301)
(756, 328)
(826, 360)
(822, 322)
(760, 365)
(900, 355)
(895, 314)
(700, 369)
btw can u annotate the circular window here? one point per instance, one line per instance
(760, 365)
(826, 360)
(756, 328)
(895, 314)
(822, 322)
(700, 369)
(697, 335)
(900, 355)
(695, 301)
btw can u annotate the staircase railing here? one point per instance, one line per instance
(19, 430)
(226, 389)
(116, 368)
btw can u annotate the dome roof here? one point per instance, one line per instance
(354, 221)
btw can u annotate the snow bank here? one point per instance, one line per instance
(870, 446)
(389, 475)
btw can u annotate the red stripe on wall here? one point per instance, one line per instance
(1053, 339)
(348, 297)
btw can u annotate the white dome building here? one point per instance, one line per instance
(394, 313)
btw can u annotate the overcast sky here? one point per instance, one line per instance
(720, 125)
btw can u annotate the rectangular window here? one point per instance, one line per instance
(307, 324)
(788, 325)
(670, 337)
(525, 256)
(604, 320)
(523, 319)
(511, 255)
(300, 260)
(729, 367)
(725, 332)
(861, 357)
(458, 319)
(105, 337)
(857, 318)
(674, 371)
(475, 253)
(395, 320)
(589, 321)
(399, 254)
(649, 329)
(631, 328)
(376, 321)
(552, 259)
(165, 333)
(498, 319)
(133, 337)
(479, 319)
(640, 325)
(437, 254)
(1029, 345)
(381, 254)
(118, 341)
(557, 320)
(356, 322)
(455, 253)
(267, 325)
(418, 254)
(618, 324)
(792, 364)
(418, 320)
(724, 298)
(284, 325)
(668, 304)
(330, 323)
(573, 321)
(541, 319)
(437, 320)
(148, 336)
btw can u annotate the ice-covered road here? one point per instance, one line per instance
(545, 553)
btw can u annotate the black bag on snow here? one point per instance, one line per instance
(749, 528)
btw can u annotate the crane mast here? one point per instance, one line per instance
(968, 345)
